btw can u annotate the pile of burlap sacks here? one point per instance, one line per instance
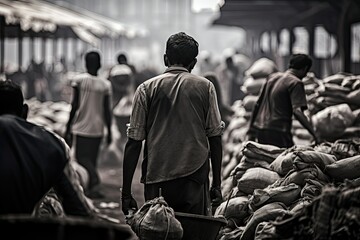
(304, 192)
(333, 104)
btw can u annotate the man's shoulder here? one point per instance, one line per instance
(186, 75)
(79, 76)
(154, 79)
(5, 122)
(286, 76)
(120, 69)
(16, 125)
(8, 120)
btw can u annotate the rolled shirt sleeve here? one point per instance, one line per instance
(214, 125)
(298, 96)
(136, 129)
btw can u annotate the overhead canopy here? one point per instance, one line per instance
(259, 16)
(264, 15)
(43, 19)
(32, 18)
(111, 27)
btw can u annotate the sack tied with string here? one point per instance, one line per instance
(156, 220)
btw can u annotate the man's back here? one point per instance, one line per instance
(282, 93)
(31, 162)
(92, 91)
(178, 108)
(121, 78)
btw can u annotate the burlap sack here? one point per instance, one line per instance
(336, 78)
(284, 194)
(256, 178)
(266, 213)
(300, 177)
(347, 168)
(249, 102)
(236, 208)
(284, 162)
(253, 86)
(156, 220)
(330, 123)
(261, 68)
(305, 159)
(260, 151)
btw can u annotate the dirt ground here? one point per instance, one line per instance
(110, 170)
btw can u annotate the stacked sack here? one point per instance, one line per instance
(281, 183)
(255, 77)
(334, 214)
(334, 103)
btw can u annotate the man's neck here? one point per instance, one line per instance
(93, 72)
(294, 72)
(180, 65)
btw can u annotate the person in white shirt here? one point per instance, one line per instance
(90, 113)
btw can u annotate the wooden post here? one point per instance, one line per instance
(31, 48)
(43, 49)
(2, 43)
(291, 41)
(20, 50)
(54, 49)
(344, 33)
(316, 66)
(65, 52)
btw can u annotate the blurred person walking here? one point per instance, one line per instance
(122, 78)
(282, 97)
(177, 115)
(90, 113)
(229, 75)
(225, 110)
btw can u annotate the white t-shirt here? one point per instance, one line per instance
(89, 118)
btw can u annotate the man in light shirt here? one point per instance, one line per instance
(177, 115)
(90, 114)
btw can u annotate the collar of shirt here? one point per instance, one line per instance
(291, 73)
(176, 69)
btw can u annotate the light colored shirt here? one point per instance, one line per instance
(89, 119)
(175, 113)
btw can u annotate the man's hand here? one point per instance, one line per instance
(68, 138)
(128, 203)
(215, 196)
(251, 134)
(317, 140)
(109, 138)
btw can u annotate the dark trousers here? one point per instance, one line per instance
(276, 138)
(183, 195)
(86, 153)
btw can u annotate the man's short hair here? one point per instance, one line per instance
(299, 61)
(11, 98)
(181, 49)
(92, 59)
(122, 58)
